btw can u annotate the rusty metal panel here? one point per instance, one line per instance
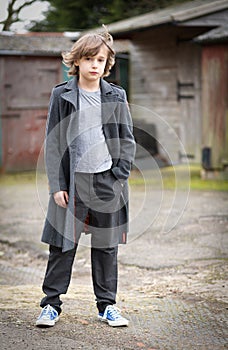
(215, 103)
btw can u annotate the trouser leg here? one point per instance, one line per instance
(104, 274)
(57, 277)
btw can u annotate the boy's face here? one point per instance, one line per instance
(92, 68)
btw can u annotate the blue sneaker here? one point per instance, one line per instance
(48, 317)
(112, 316)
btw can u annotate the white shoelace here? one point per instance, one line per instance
(48, 310)
(114, 312)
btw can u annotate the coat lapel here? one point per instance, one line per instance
(71, 94)
(107, 92)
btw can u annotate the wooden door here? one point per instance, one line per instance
(25, 92)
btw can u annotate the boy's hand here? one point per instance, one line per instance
(61, 198)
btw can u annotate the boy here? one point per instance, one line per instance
(89, 151)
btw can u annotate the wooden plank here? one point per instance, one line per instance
(25, 87)
(29, 81)
(189, 96)
(21, 153)
(215, 103)
(153, 75)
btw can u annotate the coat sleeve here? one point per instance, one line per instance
(53, 150)
(127, 142)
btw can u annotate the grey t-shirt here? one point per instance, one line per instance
(92, 151)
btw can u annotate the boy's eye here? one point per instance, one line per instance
(101, 60)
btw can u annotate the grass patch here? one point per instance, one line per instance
(170, 178)
(219, 183)
(179, 176)
(10, 179)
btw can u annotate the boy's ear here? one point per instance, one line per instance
(76, 63)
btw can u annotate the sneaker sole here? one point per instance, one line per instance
(117, 324)
(46, 323)
(114, 323)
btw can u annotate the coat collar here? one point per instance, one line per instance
(71, 92)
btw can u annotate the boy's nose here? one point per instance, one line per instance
(95, 63)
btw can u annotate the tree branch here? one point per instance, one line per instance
(23, 5)
(13, 14)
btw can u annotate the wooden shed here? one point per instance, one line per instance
(30, 65)
(170, 71)
(167, 76)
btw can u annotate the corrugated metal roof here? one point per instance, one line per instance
(44, 44)
(172, 14)
(215, 35)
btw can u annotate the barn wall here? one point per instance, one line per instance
(25, 91)
(159, 62)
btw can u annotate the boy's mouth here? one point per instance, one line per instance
(94, 73)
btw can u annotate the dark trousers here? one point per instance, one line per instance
(59, 270)
(99, 196)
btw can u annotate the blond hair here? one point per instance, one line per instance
(88, 46)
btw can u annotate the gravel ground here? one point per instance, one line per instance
(172, 282)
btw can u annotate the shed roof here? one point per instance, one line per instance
(217, 35)
(44, 44)
(173, 14)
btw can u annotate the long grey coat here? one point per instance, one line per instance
(59, 228)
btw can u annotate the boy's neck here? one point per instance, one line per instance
(90, 86)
